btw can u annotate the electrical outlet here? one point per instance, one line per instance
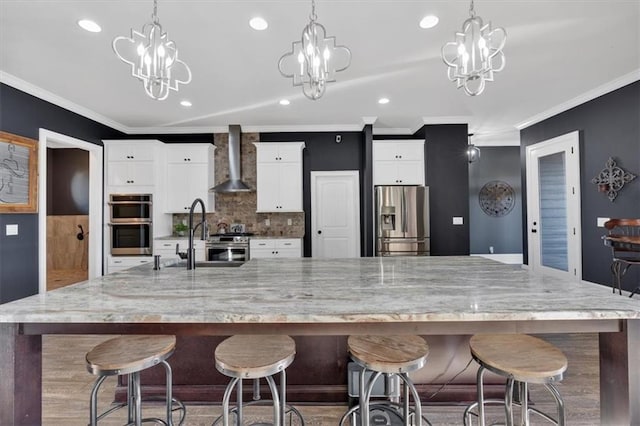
(289, 222)
(267, 222)
(458, 220)
(601, 221)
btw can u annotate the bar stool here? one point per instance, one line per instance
(255, 357)
(521, 359)
(130, 355)
(388, 355)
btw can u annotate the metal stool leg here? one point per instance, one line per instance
(417, 411)
(93, 409)
(508, 401)
(366, 396)
(225, 400)
(276, 401)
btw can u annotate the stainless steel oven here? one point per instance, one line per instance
(131, 226)
(130, 208)
(232, 248)
(131, 239)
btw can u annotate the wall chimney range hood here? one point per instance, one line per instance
(234, 184)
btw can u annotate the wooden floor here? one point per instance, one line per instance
(67, 386)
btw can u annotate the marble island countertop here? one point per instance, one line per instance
(325, 291)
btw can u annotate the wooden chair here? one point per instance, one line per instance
(623, 237)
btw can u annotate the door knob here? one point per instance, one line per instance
(319, 232)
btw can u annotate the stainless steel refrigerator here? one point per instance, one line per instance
(402, 220)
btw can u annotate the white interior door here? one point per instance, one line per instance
(553, 206)
(335, 214)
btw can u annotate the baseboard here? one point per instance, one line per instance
(508, 258)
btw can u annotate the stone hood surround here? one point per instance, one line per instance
(325, 291)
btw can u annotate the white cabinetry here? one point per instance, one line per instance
(279, 176)
(120, 263)
(269, 248)
(189, 176)
(166, 248)
(132, 166)
(398, 162)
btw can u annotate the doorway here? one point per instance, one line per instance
(92, 231)
(553, 206)
(335, 214)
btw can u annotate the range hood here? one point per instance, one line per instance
(234, 184)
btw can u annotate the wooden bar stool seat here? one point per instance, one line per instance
(256, 357)
(387, 355)
(129, 355)
(521, 359)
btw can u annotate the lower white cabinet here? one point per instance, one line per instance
(166, 248)
(120, 263)
(265, 248)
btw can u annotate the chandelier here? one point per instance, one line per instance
(475, 55)
(314, 60)
(153, 58)
(473, 152)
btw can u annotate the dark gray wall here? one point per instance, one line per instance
(503, 233)
(67, 182)
(18, 257)
(447, 176)
(24, 115)
(609, 126)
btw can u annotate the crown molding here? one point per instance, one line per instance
(581, 99)
(38, 92)
(176, 130)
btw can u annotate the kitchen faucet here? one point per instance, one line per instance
(191, 251)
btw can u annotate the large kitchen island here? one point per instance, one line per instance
(312, 297)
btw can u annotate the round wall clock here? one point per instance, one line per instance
(497, 198)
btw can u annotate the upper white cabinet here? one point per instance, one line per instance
(398, 162)
(132, 165)
(190, 174)
(279, 176)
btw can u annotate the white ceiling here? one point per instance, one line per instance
(558, 53)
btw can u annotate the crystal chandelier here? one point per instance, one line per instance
(475, 54)
(153, 58)
(314, 60)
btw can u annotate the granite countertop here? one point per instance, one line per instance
(306, 290)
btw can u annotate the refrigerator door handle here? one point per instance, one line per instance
(404, 212)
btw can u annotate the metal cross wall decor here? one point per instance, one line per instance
(612, 178)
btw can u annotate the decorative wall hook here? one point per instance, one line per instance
(612, 178)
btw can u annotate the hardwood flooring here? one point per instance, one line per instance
(67, 386)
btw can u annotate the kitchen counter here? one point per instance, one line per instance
(423, 295)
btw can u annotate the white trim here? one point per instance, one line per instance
(580, 99)
(353, 174)
(38, 92)
(49, 138)
(508, 258)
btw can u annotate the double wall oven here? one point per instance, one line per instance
(131, 224)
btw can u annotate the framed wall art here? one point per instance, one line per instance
(18, 174)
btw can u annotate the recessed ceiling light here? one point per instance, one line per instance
(383, 101)
(258, 23)
(185, 103)
(89, 25)
(284, 102)
(429, 21)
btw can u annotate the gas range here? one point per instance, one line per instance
(231, 248)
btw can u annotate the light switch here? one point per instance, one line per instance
(458, 220)
(601, 221)
(12, 229)
(289, 222)
(267, 222)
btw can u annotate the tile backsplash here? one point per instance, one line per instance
(241, 207)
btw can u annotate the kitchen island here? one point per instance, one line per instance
(337, 297)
